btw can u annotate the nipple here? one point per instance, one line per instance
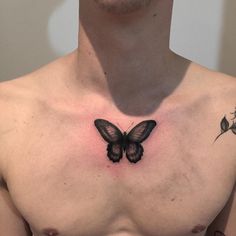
(50, 232)
(198, 229)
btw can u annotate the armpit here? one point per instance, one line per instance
(3, 184)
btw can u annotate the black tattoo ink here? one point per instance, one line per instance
(233, 113)
(129, 143)
(219, 233)
(225, 125)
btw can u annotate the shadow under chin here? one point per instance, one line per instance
(147, 103)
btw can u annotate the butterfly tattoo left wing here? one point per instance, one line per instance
(118, 142)
(113, 136)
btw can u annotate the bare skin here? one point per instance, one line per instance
(56, 177)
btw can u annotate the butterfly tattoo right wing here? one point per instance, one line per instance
(134, 149)
(113, 136)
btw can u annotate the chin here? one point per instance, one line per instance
(122, 6)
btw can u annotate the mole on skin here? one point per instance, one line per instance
(198, 229)
(50, 232)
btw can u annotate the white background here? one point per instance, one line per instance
(33, 33)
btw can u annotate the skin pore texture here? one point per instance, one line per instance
(58, 122)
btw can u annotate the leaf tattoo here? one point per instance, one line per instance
(225, 125)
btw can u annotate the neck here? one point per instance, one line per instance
(126, 57)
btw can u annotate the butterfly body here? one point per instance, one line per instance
(124, 141)
(130, 143)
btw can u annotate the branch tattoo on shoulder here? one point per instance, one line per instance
(226, 126)
(129, 143)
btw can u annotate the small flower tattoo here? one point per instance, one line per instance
(226, 126)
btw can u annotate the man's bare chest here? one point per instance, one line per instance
(62, 179)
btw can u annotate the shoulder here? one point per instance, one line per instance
(224, 85)
(223, 105)
(26, 92)
(218, 87)
(20, 100)
(15, 103)
(216, 94)
(24, 100)
(16, 97)
(222, 89)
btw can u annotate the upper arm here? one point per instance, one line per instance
(11, 223)
(225, 221)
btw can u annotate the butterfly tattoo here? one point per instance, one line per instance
(129, 143)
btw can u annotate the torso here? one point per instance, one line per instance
(62, 182)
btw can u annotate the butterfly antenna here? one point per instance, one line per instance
(130, 126)
(120, 126)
